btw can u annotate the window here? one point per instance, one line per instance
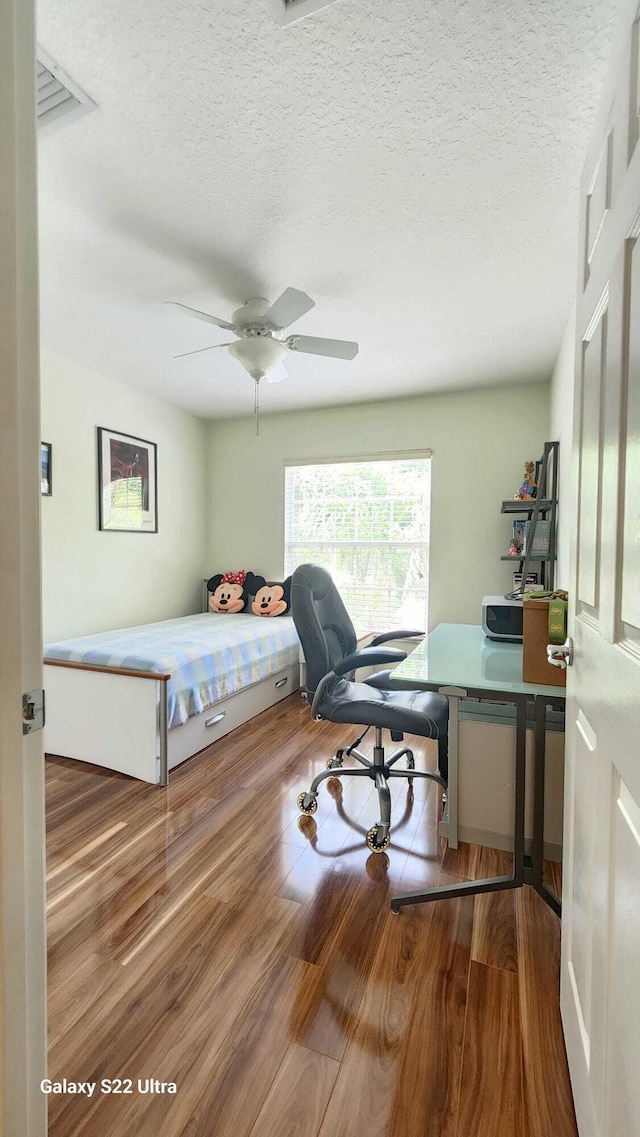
(367, 522)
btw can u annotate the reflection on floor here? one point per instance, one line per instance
(200, 935)
(552, 876)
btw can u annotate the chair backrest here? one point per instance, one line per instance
(322, 622)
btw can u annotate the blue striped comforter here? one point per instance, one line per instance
(208, 656)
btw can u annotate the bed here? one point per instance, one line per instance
(142, 700)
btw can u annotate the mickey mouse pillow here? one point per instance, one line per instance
(271, 599)
(230, 591)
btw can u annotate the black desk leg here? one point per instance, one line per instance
(537, 844)
(520, 790)
(535, 875)
(495, 883)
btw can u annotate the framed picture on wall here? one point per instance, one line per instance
(46, 482)
(127, 483)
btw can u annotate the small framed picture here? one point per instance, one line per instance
(517, 545)
(46, 483)
(127, 483)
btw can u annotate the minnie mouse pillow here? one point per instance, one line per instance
(271, 599)
(230, 591)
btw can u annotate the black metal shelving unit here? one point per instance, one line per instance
(544, 507)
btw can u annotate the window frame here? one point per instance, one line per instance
(424, 454)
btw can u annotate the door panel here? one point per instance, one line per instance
(634, 87)
(593, 366)
(630, 605)
(599, 199)
(582, 874)
(600, 970)
(624, 1052)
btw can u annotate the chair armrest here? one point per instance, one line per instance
(379, 680)
(366, 657)
(319, 692)
(399, 635)
(369, 657)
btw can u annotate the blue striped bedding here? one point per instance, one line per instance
(209, 656)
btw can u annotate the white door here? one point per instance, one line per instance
(22, 923)
(600, 984)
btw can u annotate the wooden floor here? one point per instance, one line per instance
(201, 935)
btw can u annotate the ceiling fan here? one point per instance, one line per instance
(263, 342)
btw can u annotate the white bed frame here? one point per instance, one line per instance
(116, 718)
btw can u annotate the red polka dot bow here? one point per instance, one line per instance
(234, 577)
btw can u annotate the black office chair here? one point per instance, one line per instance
(329, 645)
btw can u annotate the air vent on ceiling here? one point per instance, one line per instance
(57, 94)
(288, 11)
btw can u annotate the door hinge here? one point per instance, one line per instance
(32, 711)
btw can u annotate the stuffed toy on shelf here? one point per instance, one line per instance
(528, 489)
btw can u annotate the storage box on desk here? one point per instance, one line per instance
(535, 637)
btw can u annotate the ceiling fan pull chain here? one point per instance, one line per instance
(257, 406)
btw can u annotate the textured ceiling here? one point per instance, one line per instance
(413, 165)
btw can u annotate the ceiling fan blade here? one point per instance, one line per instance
(199, 349)
(316, 345)
(278, 374)
(201, 315)
(289, 307)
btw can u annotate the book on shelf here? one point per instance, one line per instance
(541, 537)
(541, 545)
(531, 582)
(518, 536)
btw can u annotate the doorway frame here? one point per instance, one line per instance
(23, 1109)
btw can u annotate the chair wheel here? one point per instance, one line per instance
(411, 763)
(307, 803)
(334, 786)
(335, 763)
(372, 840)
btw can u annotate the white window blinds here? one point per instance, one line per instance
(367, 522)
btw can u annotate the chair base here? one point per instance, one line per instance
(379, 770)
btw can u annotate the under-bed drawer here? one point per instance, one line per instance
(227, 714)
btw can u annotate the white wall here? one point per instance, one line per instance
(94, 581)
(562, 412)
(480, 440)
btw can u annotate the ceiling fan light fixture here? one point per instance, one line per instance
(258, 355)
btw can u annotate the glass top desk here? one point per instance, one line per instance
(459, 661)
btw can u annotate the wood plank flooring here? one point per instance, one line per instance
(206, 935)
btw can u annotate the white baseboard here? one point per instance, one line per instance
(499, 841)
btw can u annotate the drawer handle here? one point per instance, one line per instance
(281, 682)
(216, 718)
